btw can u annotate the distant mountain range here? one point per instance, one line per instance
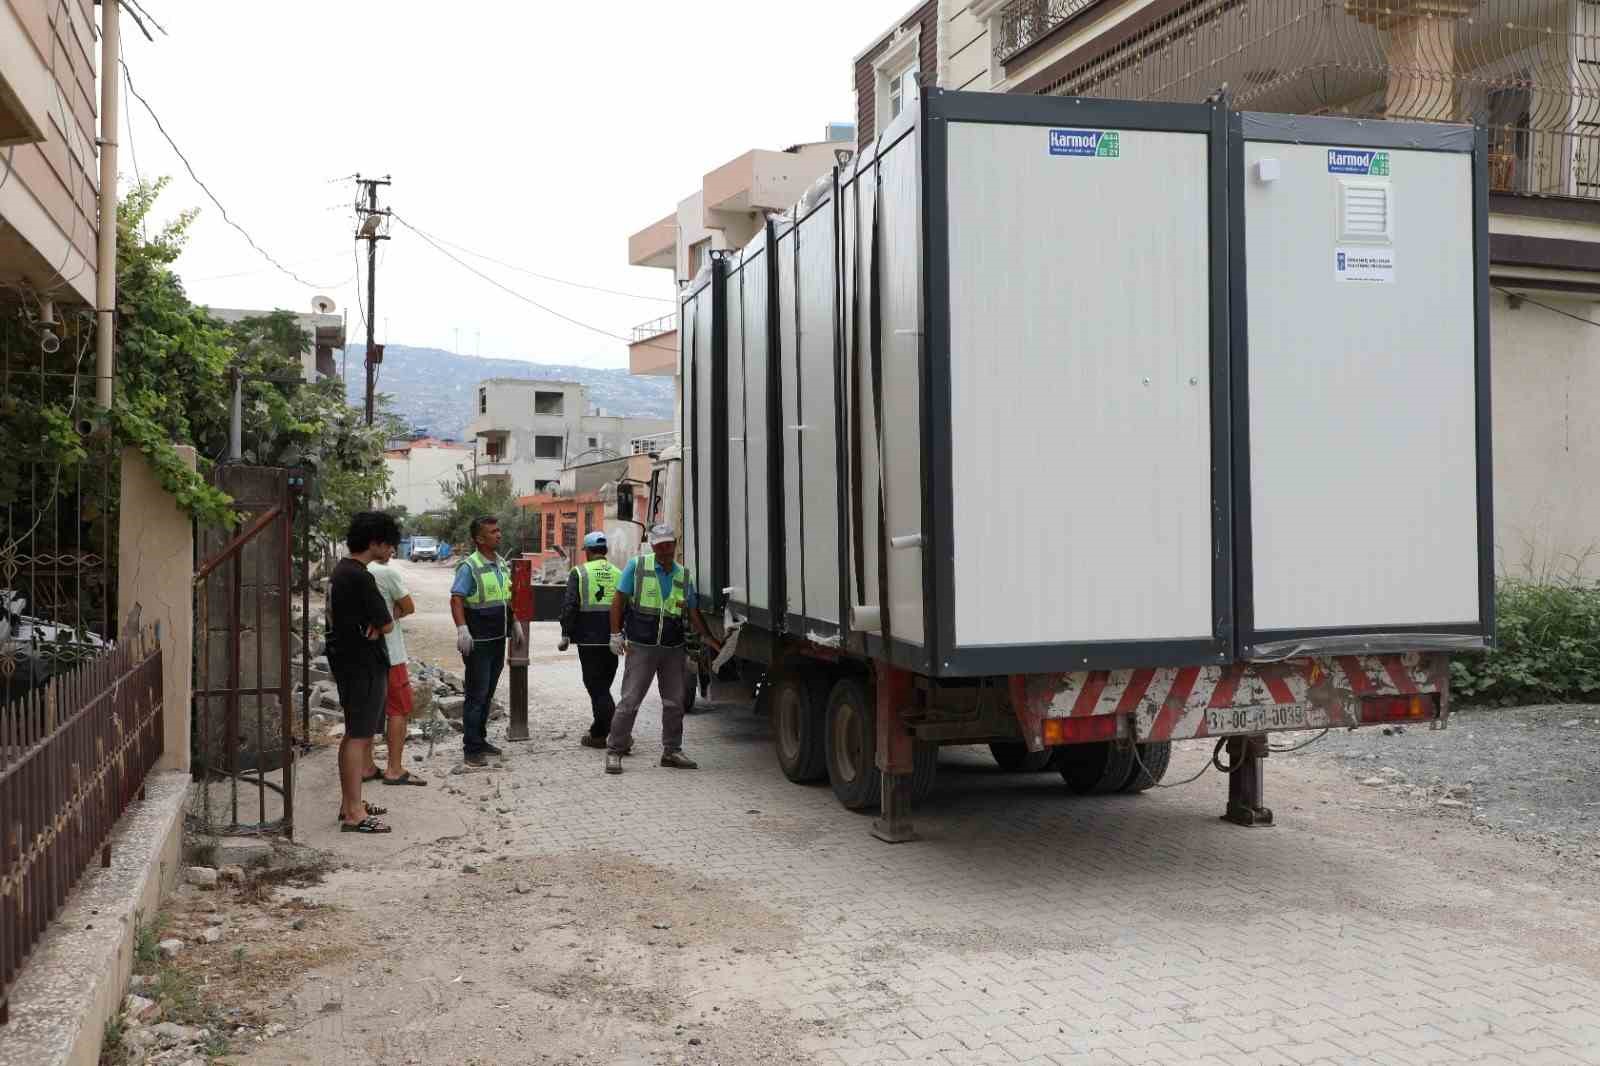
(433, 390)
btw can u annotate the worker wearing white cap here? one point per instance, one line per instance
(585, 618)
(654, 598)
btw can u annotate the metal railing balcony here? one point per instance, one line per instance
(1527, 70)
(656, 327)
(654, 443)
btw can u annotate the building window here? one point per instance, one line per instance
(895, 72)
(569, 533)
(549, 531)
(544, 486)
(546, 447)
(483, 401)
(547, 403)
(697, 255)
(594, 442)
(494, 449)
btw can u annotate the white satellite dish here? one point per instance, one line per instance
(322, 305)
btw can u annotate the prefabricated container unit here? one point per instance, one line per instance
(1002, 421)
(1360, 272)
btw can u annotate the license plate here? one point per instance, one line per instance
(1221, 721)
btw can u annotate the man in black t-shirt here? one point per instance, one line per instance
(357, 620)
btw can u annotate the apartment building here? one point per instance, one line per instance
(728, 209)
(419, 470)
(324, 336)
(49, 180)
(528, 432)
(1522, 68)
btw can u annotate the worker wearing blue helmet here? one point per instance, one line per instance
(586, 622)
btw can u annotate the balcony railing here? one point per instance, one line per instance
(1027, 22)
(654, 328)
(1522, 68)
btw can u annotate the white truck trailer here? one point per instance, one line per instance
(1079, 427)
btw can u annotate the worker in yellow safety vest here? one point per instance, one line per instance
(654, 599)
(585, 621)
(480, 604)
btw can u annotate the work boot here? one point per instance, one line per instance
(677, 760)
(475, 758)
(592, 742)
(490, 749)
(613, 763)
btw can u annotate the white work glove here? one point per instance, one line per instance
(619, 646)
(565, 643)
(463, 641)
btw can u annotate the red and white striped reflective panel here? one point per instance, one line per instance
(1176, 703)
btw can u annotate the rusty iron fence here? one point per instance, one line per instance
(243, 697)
(73, 755)
(1528, 70)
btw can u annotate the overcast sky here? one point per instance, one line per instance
(541, 134)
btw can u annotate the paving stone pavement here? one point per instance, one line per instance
(1028, 926)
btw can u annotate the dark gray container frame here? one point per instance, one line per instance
(1334, 132)
(732, 269)
(711, 285)
(938, 109)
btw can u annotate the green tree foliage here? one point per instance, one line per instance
(174, 387)
(467, 498)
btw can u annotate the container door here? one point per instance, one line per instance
(1082, 459)
(1365, 435)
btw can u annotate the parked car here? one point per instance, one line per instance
(423, 548)
(33, 650)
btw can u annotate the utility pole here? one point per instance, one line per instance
(372, 224)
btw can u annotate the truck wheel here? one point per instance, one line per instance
(798, 728)
(1014, 757)
(1096, 769)
(1155, 757)
(926, 770)
(852, 745)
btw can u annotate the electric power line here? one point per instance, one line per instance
(205, 189)
(1547, 307)
(548, 277)
(517, 295)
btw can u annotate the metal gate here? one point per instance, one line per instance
(244, 687)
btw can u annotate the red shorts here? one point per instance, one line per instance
(397, 702)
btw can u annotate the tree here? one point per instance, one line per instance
(467, 498)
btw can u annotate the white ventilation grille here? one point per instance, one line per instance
(1365, 212)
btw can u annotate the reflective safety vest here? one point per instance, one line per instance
(597, 585)
(490, 600)
(654, 618)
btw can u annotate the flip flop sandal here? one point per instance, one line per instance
(406, 779)
(372, 809)
(366, 825)
(372, 776)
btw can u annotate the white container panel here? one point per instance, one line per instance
(788, 436)
(860, 427)
(1081, 428)
(758, 588)
(699, 459)
(738, 467)
(1363, 447)
(820, 484)
(900, 229)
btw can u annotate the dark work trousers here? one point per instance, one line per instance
(599, 671)
(483, 668)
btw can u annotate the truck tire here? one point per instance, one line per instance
(1014, 757)
(852, 745)
(1155, 757)
(1097, 769)
(799, 729)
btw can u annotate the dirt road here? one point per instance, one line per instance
(546, 913)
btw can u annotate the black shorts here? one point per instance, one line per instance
(362, 691)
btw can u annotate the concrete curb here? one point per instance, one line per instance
(73, 982)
